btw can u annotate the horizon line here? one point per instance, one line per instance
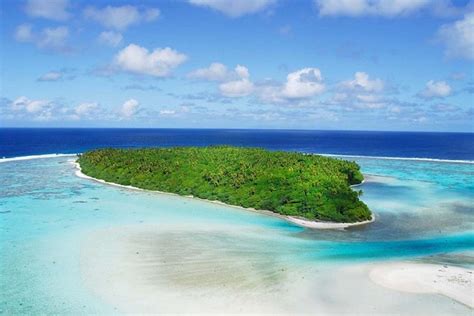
(237, 129)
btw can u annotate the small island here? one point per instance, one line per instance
(292, 184)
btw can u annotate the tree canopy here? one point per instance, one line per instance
(288, 183)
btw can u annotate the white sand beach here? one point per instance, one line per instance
(325, 225)
(453, 282)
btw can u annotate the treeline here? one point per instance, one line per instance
(310, 186)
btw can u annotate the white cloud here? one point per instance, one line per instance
(215, 72)
(110, 38)
(38, 110)
(299, 85)
(445, 108)
(435, 89)
(362, 92)
(235, 8)
(31, 106)
(159, 63)
(167, 112)
(420, 119)
(86, 109)
(369, 7)
(48, 9)
(303, 83)
(121, 17)
(24, 33)
(51, 76)
(363, 82)
(129, 108)
(458, 37)
(53, 38)
(240, 87)
(236, 88)
(368, 98)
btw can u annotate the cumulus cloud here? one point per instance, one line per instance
(458, 37)
(138, 60)
(363, 82)
(51, 76)
(303, 83)
(361, 92)
(240, 87)
(300, 85)
(354, 100)
(86, 109)
(129, 108)
(31, 106)
(121, 17)
(58, 75)
(235, 8)
(435, 89)
(215, 72)
(355, 8)
(40, 110)
(52, 38)
(48, 9)
(110, 38)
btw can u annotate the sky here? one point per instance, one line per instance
(400, 65)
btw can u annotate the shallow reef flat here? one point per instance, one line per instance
(75, 246)
(182, 269)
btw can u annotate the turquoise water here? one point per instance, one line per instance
(422, 209)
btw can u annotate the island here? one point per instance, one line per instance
(302, 186)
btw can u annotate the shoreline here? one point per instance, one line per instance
(416, 159)
(424, 278)
(294, 220)
(31, 157)
(325, 225)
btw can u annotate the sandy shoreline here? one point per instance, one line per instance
(295, 220)
(453, 282)
(324, 225)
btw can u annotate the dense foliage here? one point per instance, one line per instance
(310, 186)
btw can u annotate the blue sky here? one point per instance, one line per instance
(307, 64)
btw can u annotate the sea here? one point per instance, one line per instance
(71, 245)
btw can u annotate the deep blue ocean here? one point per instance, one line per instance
(451, 146)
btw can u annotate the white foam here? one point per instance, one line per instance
(322, 154)
(402, 158)
(35, 157)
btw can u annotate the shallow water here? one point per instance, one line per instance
(57, 232)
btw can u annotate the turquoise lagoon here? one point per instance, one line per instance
(71, 245)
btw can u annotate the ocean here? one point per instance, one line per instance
(73, 246)
(449, 146)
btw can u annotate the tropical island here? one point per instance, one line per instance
(312, 187)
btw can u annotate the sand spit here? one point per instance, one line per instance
(324, 225)
(453, 282)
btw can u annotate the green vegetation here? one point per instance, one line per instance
(310, 186)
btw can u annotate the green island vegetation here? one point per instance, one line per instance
(287, 183)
